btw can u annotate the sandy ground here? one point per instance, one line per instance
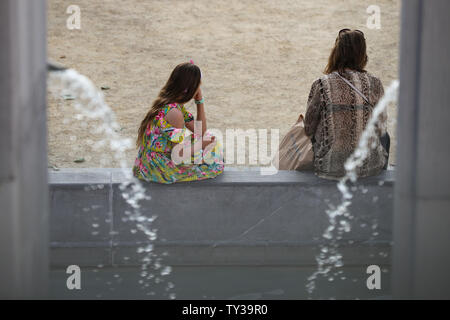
(258, 60)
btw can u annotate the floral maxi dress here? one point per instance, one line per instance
(154, 161)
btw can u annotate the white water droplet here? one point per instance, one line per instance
(166, 270)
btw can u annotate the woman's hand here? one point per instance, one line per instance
(198, 95)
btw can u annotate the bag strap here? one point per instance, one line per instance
(354, 88)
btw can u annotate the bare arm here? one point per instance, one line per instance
(175, 118)
(201, 116)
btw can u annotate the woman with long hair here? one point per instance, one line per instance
(339, 106)
(165, 154)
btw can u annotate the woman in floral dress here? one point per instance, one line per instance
(166, 154)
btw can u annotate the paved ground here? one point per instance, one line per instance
(258, 59)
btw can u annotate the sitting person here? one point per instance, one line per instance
(164, 127)
(339, 107)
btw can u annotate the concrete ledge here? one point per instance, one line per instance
(239, 218)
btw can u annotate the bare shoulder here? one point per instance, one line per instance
(175, 117)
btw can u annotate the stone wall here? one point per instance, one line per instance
(239, 218)
(23, 149)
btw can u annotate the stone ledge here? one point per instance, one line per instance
(241, 176)
(240, 217)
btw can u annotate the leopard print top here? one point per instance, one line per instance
(335, 118)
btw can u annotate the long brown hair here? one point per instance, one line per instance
(349, 51)
(181, 87)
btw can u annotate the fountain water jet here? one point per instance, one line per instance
(90, 103)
